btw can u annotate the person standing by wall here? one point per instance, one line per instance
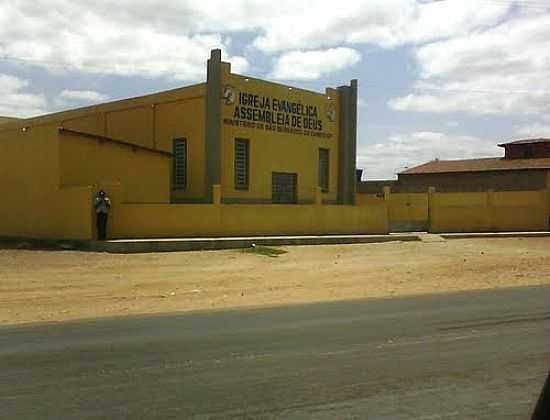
(102, 204)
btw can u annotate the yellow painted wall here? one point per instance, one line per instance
(185, 118)
(408, 207)
(38, 203)
(85, 161)
(134, 125)
(33, 205)
(487, 212)
(144, 220)
(459, 212)
(521, 210)
(93, 124)
(47, 179)
(151, 121)
(5, 120)
(467, 212)
(71, 217)
(362, 199)
(272, 151)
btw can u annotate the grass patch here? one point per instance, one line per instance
(266, 251)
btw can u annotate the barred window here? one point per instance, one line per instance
(179, 159)
(324, 169)
(242, 163)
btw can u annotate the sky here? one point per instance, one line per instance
(446, 79)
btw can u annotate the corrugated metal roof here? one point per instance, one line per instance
(526, 141)
(477, 165)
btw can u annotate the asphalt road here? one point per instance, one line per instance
(479, 355)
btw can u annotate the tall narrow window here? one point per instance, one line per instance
(242, 164)
(324, 169)
(179, 159)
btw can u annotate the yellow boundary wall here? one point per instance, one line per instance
(447, 212)
(408, 211)
(489, 211)
(467, 211)
(34, 205)
(173, 220)
(67, 214)
(64, 214)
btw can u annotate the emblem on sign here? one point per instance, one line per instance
(228, 95)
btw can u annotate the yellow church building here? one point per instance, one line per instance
(232, 156)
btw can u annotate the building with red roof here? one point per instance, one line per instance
(524, 166)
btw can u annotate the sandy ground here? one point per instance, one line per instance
(61, 285)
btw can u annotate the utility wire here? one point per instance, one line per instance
(526, 4)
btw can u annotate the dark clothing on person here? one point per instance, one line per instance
(102, 225)
(102, 204)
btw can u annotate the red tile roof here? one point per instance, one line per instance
(526, 141)
(477, 165)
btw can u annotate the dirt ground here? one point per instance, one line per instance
(62, 285)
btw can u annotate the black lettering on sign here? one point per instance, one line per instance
(276, 114)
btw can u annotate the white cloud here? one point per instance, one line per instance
(533, 130)
(385, 23)
(131, 39)
(16, 102)
(502, 70)
(384, 160)
(82, 96)
(310, 65)
(155, 38)
(69, 98)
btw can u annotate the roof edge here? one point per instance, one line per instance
(533, 140)
(68, 113)
(104, 139)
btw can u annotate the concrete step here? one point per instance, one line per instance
(487, 235)
(431, 237)
(127, 246)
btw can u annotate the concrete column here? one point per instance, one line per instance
(213, 122)
(491, 211)
(387, 196)
(217, 194)
(347, 143)
(547, 206)
(318, 196)
(154, 126)
(431, 192)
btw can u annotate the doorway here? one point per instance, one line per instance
(284, 187)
